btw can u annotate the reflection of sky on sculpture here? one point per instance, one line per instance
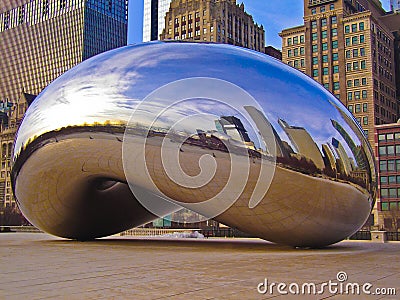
(110, 85)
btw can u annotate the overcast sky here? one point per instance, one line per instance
(274, 15)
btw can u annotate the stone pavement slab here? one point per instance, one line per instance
(40, 266)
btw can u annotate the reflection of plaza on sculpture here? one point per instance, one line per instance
(271, 169)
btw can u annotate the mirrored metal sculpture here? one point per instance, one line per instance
(234, 135)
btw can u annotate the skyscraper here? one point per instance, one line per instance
(347, 47)
(39, 41)
(154, 18)
(221, 21)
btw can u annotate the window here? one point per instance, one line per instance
(315, 60)
(331, 6)
(335, 69)
(302, 39)
(348, 53)
(362, 38)
(365, 107)
(355, 52)
(324, 34)
(295, 40)
(314, 48)
(302, 64)
(314, 36)
(349, 83)
(313, 11)
(385, 205)
(348, 67)
(324, 46)
(389, 136)
(326, 85)
(334, 44)
(361, 26)
(336, 86)
(390, 150)
(296, 52)
(289, 53)
(354, 40)
(335, 56)
(349, 96)
(347, 28)
(384, 180)
(350, 108)
(357, 95)
(392, 179)
(325, 58)
(364, 94)
(296, 63)
(358, 108)
(334, 32)
(315, 72)
(365, 120)
(323, 22)
(383, 165)
(301, 50)
(355, 65)
(289, 41)
(347, 41)
(333, 19)
(322, 9)
(382, 137)
(391, 166)
(362, 51)
(353, 27)
(363, 64)
(325, 71)
(356, 82)
(313, 24)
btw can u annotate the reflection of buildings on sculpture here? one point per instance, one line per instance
(303, 143)
(11, 115)
(329, 157)
(56, 35)
(273, 143)
(233, 127)
(154, 18)
(345, 165)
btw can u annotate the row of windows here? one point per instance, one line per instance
(358, 108)
(322, 9)
(389, 137)
(390, 179)
(356, 82)
(355, 40)
(325, 71)
(323, 22)
(295, 52)
(357, 95)
(386, 206)
(389, 150)
(364, 122)
(356, 65)
(354, 27)
(355, 52)
(391, 165)
(297, 63)
(315, 60)
(324, 34)
(295, 40)
(390, 193)
(324, 46)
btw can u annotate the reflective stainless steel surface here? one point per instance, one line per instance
(229, 133)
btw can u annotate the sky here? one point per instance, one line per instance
(274, 15)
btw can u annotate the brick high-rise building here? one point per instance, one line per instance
(347, 47)
(40, 40)
(220, 21)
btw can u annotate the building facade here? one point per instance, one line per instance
(154, 18)
(388, 155)
(221, 21)
(347, 47)
(39, 41)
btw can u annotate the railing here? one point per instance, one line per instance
(154, 231)
(19, 229)
(361, 235)
(312, 3)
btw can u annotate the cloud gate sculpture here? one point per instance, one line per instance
(231, 134)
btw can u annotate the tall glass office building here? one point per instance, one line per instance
(154, 18)
(39, 41)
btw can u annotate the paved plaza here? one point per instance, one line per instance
(39, 266)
